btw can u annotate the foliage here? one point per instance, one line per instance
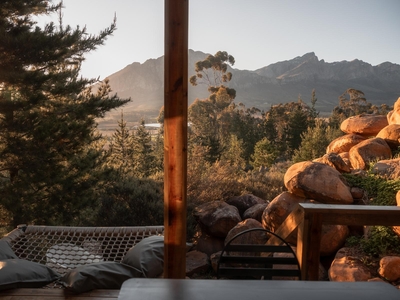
(265, 153)
(284, 124)
(380, 190)
(353, 102)
(121, 155)
(315, 141)
(234, 153)
(48, 116)
(144, 160)
(380, 241)
(131, 202)
(213, 72)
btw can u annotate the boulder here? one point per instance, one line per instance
(255, 212)
(217, 218)
(398, 198)
(369, 150)
(344, 143)
(244, 202)
(389, 268)
(393, 117)
(253, 237)
(357, 192)
(256, 237)
(396, 229)
(364, 124)
(332, 238)
(391, 135)
(335, 161)
(196, 263)
(277, 211)
(318, 182)
(214, 258)
(389, 168)
(396, 105)
(208, 244)
(348, 268)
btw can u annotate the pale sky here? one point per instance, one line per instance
(256, 32)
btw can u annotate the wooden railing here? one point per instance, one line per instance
(308, 218)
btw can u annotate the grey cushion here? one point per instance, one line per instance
(147, 256)
(20, 273)
(6, 252)
(101, 275)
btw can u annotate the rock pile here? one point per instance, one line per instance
(367, 139)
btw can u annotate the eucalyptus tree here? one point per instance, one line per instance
(206, 115)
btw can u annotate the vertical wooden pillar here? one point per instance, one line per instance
(175, 136)
(308, 245)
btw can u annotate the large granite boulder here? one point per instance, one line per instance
(317, 181)
(348, 268)
(388, 168)
(332, 238)
(365, 125)
(255, 212)
(208, 244)
(244, 202)
(256, 237)
(217, 218)
(391, 135)
(389, 268)
(335, 161)
(344, 143)
(393, 116)
(278, 210)
(369, 150)
(196, 263)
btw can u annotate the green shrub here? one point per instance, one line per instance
(380, 241)
(131, 202)
(380, 190)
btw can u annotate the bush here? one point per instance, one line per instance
(131, 202)
(380, 190)
(379, 242)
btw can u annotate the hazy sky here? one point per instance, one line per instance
(256, 32)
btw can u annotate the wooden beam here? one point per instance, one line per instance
(175, 136)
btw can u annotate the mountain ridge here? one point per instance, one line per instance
(279, 82)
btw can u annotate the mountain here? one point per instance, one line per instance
(280, 82)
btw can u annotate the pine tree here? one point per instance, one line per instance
(265, 153)
(47, 116)
(143, 152)
(121, 148)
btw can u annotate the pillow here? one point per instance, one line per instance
(101, 275)
(20, 273)
(147, 256)
(6, 252)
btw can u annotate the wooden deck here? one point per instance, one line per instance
(56, 294)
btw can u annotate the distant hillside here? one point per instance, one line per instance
(280, 82)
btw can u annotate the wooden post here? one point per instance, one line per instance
(175, 136)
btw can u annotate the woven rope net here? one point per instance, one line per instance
(65, 248)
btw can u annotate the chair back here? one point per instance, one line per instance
(249, 260)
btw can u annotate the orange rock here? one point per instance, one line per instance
(389, 267)
(393, 117)
(348, 268)
(369, 150)
(318, 182)
(344, 143)
(391, 134)
(365, 125)
(397, 104)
